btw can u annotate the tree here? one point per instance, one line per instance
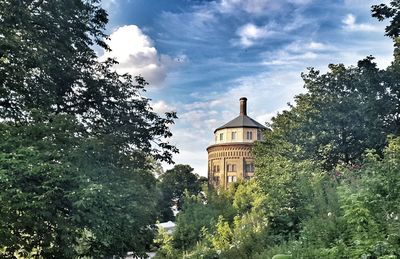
(195, 216)
(351, 112)
(173, 184)
(64, 195)
(389, 11)
(78, 139)
(392, 12)
(345, 112)
(48, 64)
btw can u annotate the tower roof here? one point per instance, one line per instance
(242, 121)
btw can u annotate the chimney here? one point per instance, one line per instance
(243, 106)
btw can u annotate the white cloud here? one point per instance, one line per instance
(299, 52)
(288, 58)
(255, 7)
(249, 6)
(317, 46)
(319, 55)
(162, 107)
(205, 23)
(350, 24)
(250, 33)
(301, 46)
(136, 54)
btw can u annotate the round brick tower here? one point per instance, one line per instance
(230, 157)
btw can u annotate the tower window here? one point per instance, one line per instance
(221, 136)
(249, 168)
(249, 135)
(234, 135)
(231, 168)
(258, 134)
(232, 179)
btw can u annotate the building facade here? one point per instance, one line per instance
(230, 157)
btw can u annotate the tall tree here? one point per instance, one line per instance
(78, 139)
(345, 112)
(66, 195)
(48, 63)
(173, 184)
(391, 12)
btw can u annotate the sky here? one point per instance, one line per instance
(201, 56)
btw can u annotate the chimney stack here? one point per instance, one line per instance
(243, 106)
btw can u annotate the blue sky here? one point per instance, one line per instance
(201, 56)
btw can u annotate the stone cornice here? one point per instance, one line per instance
(232, 144)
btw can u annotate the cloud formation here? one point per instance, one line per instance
(137, 55)
(161, 107)
(250, 33)
(255, 7)
(248, 6)
(300, 52)
(351, 24)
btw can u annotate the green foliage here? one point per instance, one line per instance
(164, 241)
(358, 219)
(371, 205)
(222, 226)
(248, 197)
(344, 112)
(198, 214)
(194, 216)
(173, 184)
(60, 189)
(386, 11)
(286, 187)
(223, 235)
(281, 256)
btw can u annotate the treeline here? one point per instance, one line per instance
(327, 175)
